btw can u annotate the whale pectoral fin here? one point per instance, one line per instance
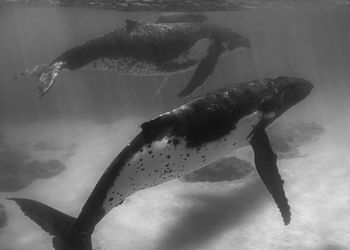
(204, 69)
(131, 24)
(265, 162)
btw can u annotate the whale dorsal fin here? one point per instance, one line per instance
(153, 128)
(131, 24)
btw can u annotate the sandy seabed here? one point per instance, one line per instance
(178, 215)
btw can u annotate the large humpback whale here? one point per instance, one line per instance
(178, 142)
(148, 49)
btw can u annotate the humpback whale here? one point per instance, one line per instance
(180, 141)
(148, 49)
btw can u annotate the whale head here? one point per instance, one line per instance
(288, 91)
(234, 42)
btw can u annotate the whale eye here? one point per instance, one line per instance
(288, 96)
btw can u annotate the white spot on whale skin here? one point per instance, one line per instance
(180, 109)
(169, 158)
(269, 115)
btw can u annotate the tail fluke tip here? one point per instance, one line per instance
(46, 75)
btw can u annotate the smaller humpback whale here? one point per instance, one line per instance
(178, 142)
(148, 49)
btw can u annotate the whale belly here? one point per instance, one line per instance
(125, 66)
(185, 61)
(169, 158)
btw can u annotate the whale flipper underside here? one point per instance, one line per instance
(204, 69)
(265, 163)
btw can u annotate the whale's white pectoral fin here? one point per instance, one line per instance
(204, 69)
(265, 162)
(161, 86)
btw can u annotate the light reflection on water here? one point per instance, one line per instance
(189, 5)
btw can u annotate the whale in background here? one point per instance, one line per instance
(148, 49)
(178, 142)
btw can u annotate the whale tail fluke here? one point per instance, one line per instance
(56, 224)
(46, 74)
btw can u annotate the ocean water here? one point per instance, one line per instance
(55, 148)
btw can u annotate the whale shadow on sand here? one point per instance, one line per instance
(225, 169)
(214, 214)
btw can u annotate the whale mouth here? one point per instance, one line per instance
(239, 50)
(301, 86)
(296, 90)
(240, 42)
